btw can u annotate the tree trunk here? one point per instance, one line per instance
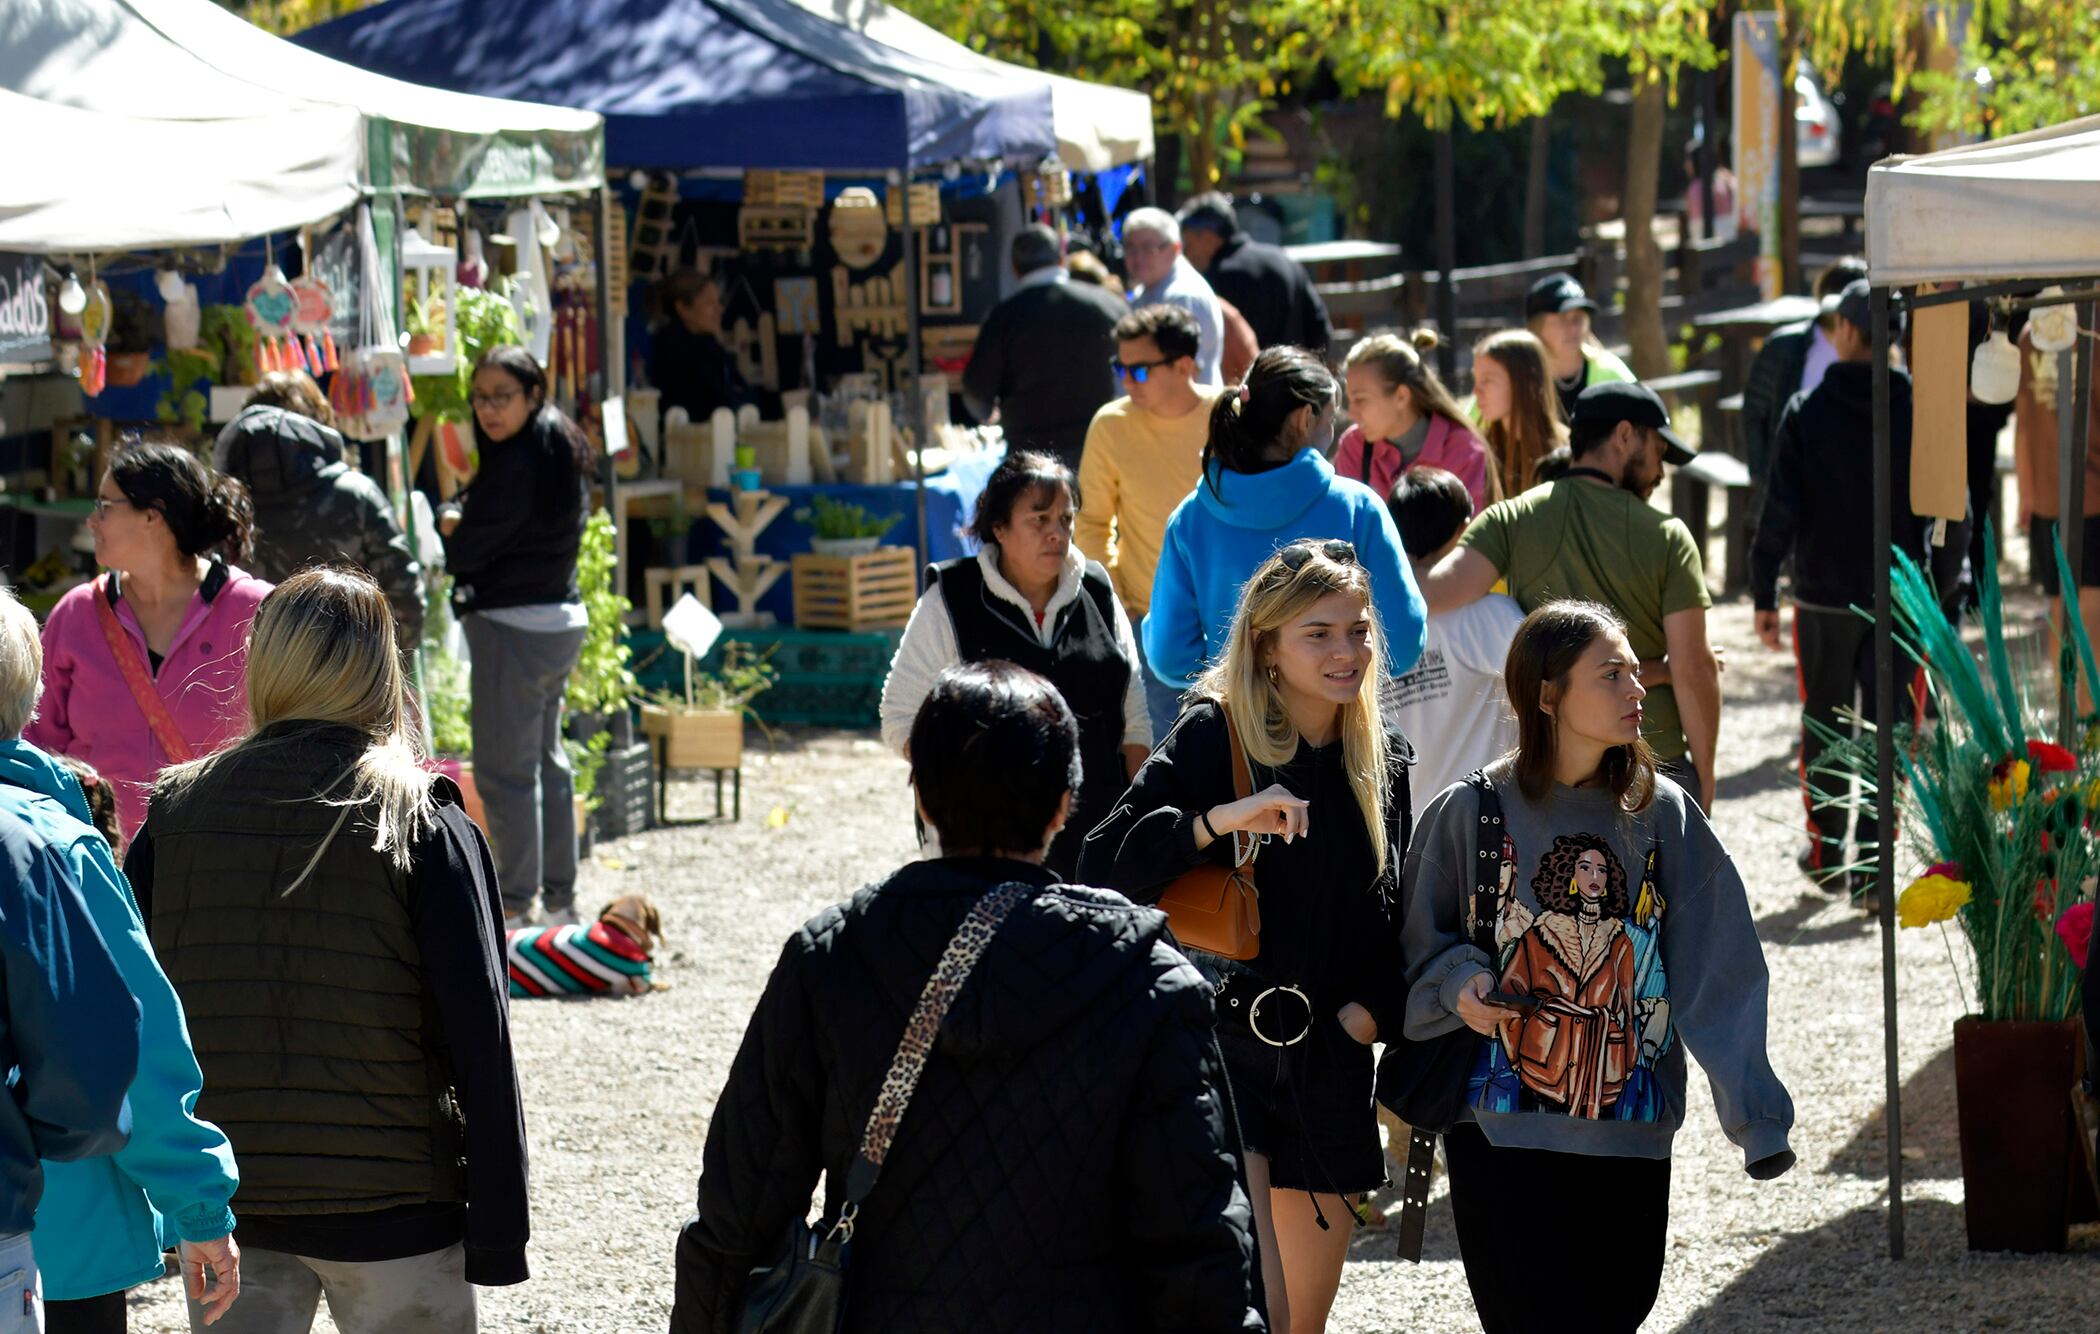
(1535, 189)
(1166, 171)
(1644, 258)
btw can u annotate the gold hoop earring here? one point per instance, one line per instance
(1275, 678)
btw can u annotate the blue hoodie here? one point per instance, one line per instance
(1214, 545)
(101, 1227)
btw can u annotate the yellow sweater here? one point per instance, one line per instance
(1137, 467)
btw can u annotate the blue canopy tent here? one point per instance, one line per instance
(711, 83)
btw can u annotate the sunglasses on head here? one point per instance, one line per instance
(1137, 371)
(1296, 554)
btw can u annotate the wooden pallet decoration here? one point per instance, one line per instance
(617, 275)
(925, 205)
(668, 583)
(654, 251)
(875, 307)
(872, 592)
(787, 189)
(767, 227)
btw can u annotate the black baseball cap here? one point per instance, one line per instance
(1555, 293)
(1623, 401)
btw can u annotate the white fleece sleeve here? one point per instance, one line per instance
(928, 647)
(1137, 719)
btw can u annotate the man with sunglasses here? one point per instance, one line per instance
(1144, 454)
(1042, 353)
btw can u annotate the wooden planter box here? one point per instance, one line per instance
(872, 592)
(705, 739)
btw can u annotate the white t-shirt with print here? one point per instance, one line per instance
(1450, 704)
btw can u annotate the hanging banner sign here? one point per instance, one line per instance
(25, 314)
(1760, 97)
(334, 262)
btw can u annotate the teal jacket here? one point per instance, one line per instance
(103, 1222)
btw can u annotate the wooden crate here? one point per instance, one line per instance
(868, 592)
(788, 189)
(710, 739)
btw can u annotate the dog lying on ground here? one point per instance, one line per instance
(610, 956)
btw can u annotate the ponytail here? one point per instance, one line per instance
(1249, 420)
(230, 512)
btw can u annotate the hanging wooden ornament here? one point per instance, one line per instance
(859, 234)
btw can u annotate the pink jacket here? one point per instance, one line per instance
(1450, 446)
(89, 712)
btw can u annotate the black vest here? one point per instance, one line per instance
(308, 1011)
(1083, 660)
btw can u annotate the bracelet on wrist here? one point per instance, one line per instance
(1203, 817)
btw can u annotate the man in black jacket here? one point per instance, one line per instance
(1266, 285)
(1818, 509)
(1043, 354)
(1791, 361)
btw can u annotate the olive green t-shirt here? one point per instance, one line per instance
(1583, 539)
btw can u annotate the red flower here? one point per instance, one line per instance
(2075, 928)
(2051, 758)
(1952, 870)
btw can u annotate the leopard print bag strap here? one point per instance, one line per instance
(964, 950)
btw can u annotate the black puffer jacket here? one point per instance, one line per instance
(1069, 1161)
(311, 508)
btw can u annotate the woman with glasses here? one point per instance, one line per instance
(1266, 483)
(1029, 597)
(1296, 684)
(511, 546)
(146, 666)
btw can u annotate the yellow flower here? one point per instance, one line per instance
(1930, 899)
(2008, 785)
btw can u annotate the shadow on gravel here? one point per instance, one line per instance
(1774, 773)
(1931, 1135)
(1839, 1277)
(1789, 927)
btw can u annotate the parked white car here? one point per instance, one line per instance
(1817, 135)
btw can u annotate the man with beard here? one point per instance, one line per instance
(1592, 534)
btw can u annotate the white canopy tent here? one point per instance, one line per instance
(92, 181)
(1097, 126)
(2019, 207)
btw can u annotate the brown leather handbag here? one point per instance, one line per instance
(1217, 909)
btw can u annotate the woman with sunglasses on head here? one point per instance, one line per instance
(1029, 597)
(1572, 907)
(1266, 483)
(1295, 691)
(146, 666)
(511, 547)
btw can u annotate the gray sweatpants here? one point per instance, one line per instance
(422, 1294)
(520, 767)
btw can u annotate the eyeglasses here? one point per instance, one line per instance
(102, 506)
(1296, 554)
(1137, 372)
(498, 400)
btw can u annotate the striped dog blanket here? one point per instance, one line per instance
(575, 960)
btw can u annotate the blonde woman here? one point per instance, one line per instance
(1405, 418)
(315, 874)
(1513, 396)
(1298, 684)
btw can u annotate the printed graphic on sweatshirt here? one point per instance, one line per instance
(1591, 959)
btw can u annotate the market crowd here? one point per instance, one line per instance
(1409, 726)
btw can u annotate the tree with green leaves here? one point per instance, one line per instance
(285, 17)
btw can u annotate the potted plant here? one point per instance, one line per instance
(2004, 816)
(426, 323)
(134, 327)
(704, 728)
(482, 318)
(843, 529)
(673, 535)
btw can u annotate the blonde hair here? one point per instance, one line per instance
(1254, 705)
(1533, 428)
(21, 666)
(322, 650)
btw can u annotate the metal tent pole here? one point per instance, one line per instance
(1885, 759)
(924, 428)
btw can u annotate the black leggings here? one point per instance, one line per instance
(1609, 1219)
(106, 1314)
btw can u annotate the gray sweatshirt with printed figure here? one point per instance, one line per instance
(1633, 936)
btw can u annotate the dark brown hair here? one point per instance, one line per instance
(542, 418)
(1533, 428)
(1547, 646)
(1021, 473)
(1172, 330)
(294, 391)
(208, 513)
(1248, 419)
(1552, 882)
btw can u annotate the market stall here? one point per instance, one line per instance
(1992, 222)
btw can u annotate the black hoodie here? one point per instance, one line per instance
(311, 508)
(1819, 499)
(1068, 1162)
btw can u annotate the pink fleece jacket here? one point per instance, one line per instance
(1450, 446)
(90, 713)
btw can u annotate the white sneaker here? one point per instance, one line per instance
(560, 917)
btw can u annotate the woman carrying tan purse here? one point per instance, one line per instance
(1283, 766)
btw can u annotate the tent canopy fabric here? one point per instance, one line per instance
(2018, 207)
(796, 84)
(189, 60)
(148, 184)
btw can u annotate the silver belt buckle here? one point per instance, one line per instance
(1254, 1024)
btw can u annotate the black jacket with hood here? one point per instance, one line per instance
(312, 508)
(1068, 1162)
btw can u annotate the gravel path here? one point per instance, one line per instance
(618, 1093)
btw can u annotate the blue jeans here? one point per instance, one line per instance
(1162, 701)
(21, 1290)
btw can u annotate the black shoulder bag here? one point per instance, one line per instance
(1424, 1083)
(804, 1290)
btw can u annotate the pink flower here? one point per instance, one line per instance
(1952, 870)
(2075, 928)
